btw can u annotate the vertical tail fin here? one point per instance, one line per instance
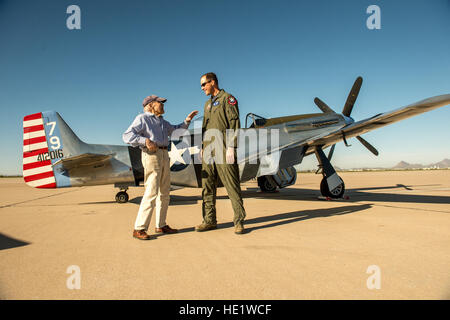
(54, 157)
(46, 139)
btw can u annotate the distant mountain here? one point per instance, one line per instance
(406, 165)
(438, 165)
(402, 165)
(443, 164)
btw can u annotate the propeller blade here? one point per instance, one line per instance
(352, 97)
(323, 106)
(367, 145)
(330, 154)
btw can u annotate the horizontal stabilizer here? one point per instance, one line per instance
(85, 159)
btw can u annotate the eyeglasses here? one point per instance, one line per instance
(204, 83)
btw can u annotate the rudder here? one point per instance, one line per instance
(37, 165)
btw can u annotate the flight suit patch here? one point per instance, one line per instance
(232, 100)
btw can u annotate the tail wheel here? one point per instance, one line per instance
(337, 192)
(266, 185)
(122, 197)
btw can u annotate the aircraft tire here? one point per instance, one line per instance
(336, 193)
(122, 197)
(265, 185)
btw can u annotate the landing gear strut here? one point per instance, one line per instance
(331, 185)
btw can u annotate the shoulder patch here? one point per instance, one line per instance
(232, 100)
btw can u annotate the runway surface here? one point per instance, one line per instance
(393, 233)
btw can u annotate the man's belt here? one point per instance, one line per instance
(148, 151)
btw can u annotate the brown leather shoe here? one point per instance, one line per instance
(166, 229)
(141, 235)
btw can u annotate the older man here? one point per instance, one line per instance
(150, 132)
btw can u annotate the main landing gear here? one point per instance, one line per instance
(266, 184)
(122, 195)
(336, 193)
(332, 185)
(283, 178)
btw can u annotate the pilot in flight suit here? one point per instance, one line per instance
(221, 113)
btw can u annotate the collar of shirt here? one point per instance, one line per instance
(213, 99)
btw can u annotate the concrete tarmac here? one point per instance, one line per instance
(390, 240)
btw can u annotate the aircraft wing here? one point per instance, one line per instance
(85, 159)
(297, 149)
(381, 120)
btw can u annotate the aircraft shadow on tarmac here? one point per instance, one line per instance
(9, 243)
(302, 194)
(288, 217)
(293, 193)
(355, 195)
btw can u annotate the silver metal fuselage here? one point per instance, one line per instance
(123, 168)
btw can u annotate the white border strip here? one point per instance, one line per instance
(31, 159)
(34, 134)
(30, 172)
(35, 146)
(31, 123)
(41, 182)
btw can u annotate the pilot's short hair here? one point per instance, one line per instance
(211, 76)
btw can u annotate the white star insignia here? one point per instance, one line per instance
(177, 155)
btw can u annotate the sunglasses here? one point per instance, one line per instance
(204, 83)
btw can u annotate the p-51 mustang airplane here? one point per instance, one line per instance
(54, 157)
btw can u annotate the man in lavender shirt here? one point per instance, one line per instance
(151, 133)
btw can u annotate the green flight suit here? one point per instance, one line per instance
(221, 113)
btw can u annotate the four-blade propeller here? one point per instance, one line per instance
(348, 107)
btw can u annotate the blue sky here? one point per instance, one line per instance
(274, 56)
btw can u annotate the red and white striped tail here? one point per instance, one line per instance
(36, 173)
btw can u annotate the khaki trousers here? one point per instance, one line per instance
(157, 189)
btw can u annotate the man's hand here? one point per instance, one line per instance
(151, 146)
(230, 155)
(191, 115)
